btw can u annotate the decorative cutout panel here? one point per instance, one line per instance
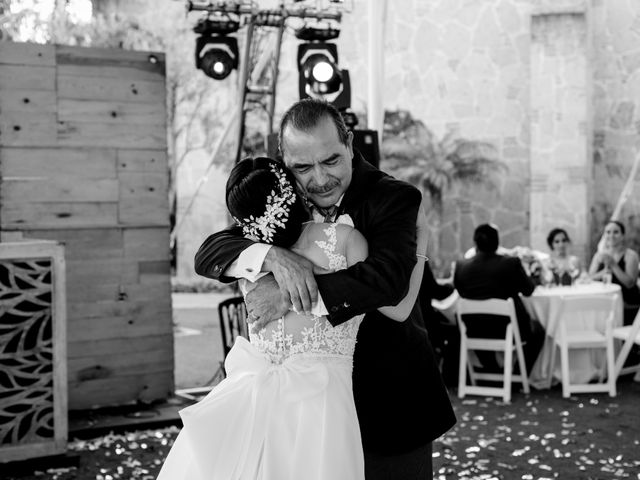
(32, 367)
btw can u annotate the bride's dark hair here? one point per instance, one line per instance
(255, 183)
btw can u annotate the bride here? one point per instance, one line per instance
(286, 409)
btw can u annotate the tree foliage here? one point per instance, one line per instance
(412, 152)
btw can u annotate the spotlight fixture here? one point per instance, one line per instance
(319, 75)
(216, 53)
(318, 68)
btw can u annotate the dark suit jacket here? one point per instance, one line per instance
(400, 397)
(489, 275)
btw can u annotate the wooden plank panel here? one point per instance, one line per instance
(119, 346)
(96, 292)
(81, 273)
(121, 390)
(114, 365)
(58, 215)
(69, 56)
(30, 101)
(127, 309)
(99, 292)
(92, 329)
(111, 89)
(137, 70)
(80, 244)
(149, 292)
(112, 112)
(58, 162)
(144, 199)
(154, 272)
(110, 135)
(143, 161)
(61, 190)
(27, 54)
(20, 77)
(146, 244)
(19, 129)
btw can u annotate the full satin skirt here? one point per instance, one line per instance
(292, 421)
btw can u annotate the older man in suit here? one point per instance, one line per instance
(490, 275)
(400, 398)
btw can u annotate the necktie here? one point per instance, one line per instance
(329, 213)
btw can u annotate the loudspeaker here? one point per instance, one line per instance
(366, 142)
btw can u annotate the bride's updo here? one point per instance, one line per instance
(261, 197)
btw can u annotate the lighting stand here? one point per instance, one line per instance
(263, 21)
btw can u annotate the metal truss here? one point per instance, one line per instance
(259, 61)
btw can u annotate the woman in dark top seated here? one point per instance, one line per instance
(621, 263)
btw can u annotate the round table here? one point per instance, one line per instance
(545, 305)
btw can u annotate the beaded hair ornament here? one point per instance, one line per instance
(276, 212)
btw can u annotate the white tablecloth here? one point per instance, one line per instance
(544, 305)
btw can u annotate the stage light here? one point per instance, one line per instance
(217, 56)
(318, 68)
(216, 53)
(321, 74)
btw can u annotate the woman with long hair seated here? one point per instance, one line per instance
(621, 263)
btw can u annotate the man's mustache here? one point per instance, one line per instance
(323, 188)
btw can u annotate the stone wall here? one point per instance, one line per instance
(466, 66)
(616, 113)
(560, 159)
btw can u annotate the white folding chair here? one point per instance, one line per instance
(576, 329)
(510, 342)
(630, 336)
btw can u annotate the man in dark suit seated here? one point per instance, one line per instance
(490, 275)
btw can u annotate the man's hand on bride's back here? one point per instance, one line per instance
(294, 276)
(265, 303)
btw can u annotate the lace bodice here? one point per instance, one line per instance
(302, 334)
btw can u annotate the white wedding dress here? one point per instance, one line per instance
(285, 410)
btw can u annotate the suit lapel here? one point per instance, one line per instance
(363, 175)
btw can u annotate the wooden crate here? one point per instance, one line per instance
(33, 350)
(83, 162)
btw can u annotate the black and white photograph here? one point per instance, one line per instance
(319, 239)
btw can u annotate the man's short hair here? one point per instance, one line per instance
(306, 114)
(486, 238)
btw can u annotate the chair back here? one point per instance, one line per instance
(629, 335)
(580, 313)
(233, 321)
(483, 339)
(492, 306)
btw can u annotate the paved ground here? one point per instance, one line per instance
(197, 341)
(541, 436)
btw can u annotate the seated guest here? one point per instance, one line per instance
(444, 335)
(490, 275)
(621, 263)
(562, 265)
